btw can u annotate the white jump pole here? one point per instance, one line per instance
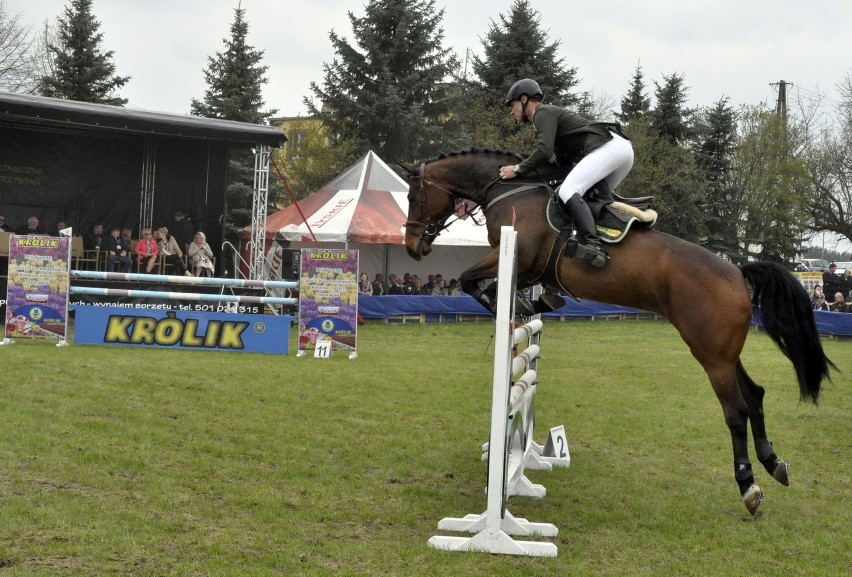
(493, 527)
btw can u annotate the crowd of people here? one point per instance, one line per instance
(120, 251)
(835, 293)
(409, 284)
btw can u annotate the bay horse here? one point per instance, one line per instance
(702, 295)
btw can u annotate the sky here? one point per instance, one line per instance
(729, 48)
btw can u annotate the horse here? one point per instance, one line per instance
(705, 297)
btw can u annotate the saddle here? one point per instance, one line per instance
(614, 214)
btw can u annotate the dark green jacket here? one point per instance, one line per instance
(564, 133)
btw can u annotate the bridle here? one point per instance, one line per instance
(431, 227)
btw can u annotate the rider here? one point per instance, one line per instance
(604, 155)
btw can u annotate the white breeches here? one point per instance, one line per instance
(610, 162)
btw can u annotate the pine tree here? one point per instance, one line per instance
(670, 118)
(235, 78)
(518, 48)
(82, 71)
(714, 154)
(635, 104)
(388, 92)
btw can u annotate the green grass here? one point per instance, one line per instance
(125, 461)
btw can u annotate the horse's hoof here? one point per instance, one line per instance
(524, 307)
(752, 498)
(781, 473)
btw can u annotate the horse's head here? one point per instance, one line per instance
(436, 187)
(430, 203)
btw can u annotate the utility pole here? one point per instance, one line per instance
(781, 103)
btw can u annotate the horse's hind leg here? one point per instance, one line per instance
(753, 395)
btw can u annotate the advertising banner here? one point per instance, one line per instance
(182, 329)
(328, 300)
(37, 287)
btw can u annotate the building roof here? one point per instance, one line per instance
(23, 110)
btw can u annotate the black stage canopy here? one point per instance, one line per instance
(86, 163)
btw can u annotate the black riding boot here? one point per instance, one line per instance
(587, 245)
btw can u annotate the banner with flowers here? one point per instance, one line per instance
(328, 299)
(37, 288)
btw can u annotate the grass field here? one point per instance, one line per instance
(124, 461)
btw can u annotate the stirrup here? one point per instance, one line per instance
(594, 255)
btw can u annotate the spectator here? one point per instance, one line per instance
(170, 250)
(397, 288)
(379, 285)
(831, 282)
(183, 232)
(146, 250)
(200, 255)
(839, 305)
(118, 251)
(454, 289)
(3, 226)
(60, 226)
(127, 234)
(817, 292)
(846, 283)
(30, 228)
(819, 303)
(440, 289)
(94, 240)
(417, 287)
(365, 287)
(430, 284)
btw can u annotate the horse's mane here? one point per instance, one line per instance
(475, 151)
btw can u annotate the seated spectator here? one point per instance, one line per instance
(454, 289)
(127, 233)
(30, 228)
(365, 287)
(819, 303)
(815, 293)
(440, 289)
(60, 226)
(379, 285)
(118, 251)
(417, 287)
(146, 250)
(839, 305)
(430, 284)
(94, 239)
(397, 287)
(201, 255)
(4, 227)
(170, 250)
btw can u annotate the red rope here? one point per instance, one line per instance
(293, 198)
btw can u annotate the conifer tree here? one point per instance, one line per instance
(235, 78)
(388, 91)
(635, 104)
(670, 118)
(82, 70)
(516, 48)
(714, 154)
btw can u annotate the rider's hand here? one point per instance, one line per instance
(508, 172)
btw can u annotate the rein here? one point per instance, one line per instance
(433, 229)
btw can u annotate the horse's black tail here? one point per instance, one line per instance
(788, 318)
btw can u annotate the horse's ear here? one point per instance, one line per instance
(409, 169)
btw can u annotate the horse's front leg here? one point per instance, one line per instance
(486, 269)
(487, 297)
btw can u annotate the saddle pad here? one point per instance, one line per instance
(612, 226)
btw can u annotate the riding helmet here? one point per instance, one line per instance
(526, 86)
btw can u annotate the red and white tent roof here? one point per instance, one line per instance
(366, 204)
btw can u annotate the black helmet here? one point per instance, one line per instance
(526, 86)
